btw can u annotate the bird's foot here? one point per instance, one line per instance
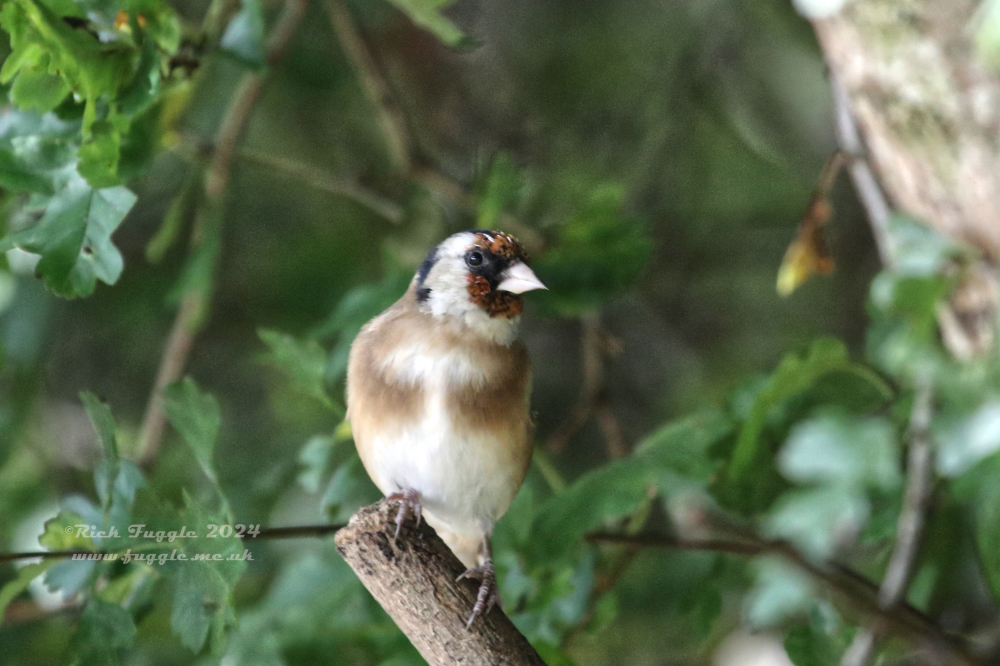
(409, 504)
(488, 595)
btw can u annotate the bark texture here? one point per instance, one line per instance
(929, 111)
(415, 582)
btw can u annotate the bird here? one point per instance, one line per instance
(438, 396)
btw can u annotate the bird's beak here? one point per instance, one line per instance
(519, 279)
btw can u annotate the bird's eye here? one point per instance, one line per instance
(474, 258)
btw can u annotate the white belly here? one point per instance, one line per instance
(464, 479)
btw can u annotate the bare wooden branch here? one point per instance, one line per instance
(195, 300)
(910, 527)
(414, 580)
(855, 590)
(390, 120)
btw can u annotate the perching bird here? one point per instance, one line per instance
(437, 395)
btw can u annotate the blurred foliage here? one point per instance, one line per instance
(654, 158)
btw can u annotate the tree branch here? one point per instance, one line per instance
(207, 227)
(321, 180)
(856, 590)
(909, 529)
(414, 580)
(865, 183)
(390, 121)
(593, 402)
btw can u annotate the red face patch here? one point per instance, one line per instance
(496, 303)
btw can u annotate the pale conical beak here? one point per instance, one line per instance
(519, 279)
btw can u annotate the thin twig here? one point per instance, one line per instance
(593, 399)
(855, 589)
(195, 301)
(390, 121)
(609, 572)
(393, 127)
(326, 182)
(869, 191)
(910, 526)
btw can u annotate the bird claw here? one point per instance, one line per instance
(488, 595)
(409, 503)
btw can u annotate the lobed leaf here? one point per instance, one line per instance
(244, 36)
(73, 237)
(839, 449)
(197, 418)
(304, 361)
(794, 375)
(671, 457)
(105, 628)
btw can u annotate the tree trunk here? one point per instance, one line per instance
(929, 111)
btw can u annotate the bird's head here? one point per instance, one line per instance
(477, 276)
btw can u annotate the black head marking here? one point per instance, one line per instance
(423, 293)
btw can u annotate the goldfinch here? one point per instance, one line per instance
(437, 396)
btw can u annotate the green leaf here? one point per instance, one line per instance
(598, 254)
(99, 155)
(681, 447)
(197, 418)
(779, 592)
(163, 26)
(87, 66)
(818, 519)
(181, 209)
(552, 655)
(981, 491)
(103, 422)
(105, 628)
(670, 456)
(74, 237)
(16, 176)
(25, 575)
(304, 361)
(965, 441)
(198, 588)
(244, 36)
(37, 90)
(349, 489)
(203, 588)
(355, 309)
(600, 495)
(503, 188)
(313, 459)
(61, 533)
(793, 376)
(141, 91)
(987, 37)
(822, 642)
(838, 448)
(427, 14)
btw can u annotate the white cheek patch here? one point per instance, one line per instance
(449, 297)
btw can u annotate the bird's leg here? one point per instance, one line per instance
(409, 503)
(484, 572)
